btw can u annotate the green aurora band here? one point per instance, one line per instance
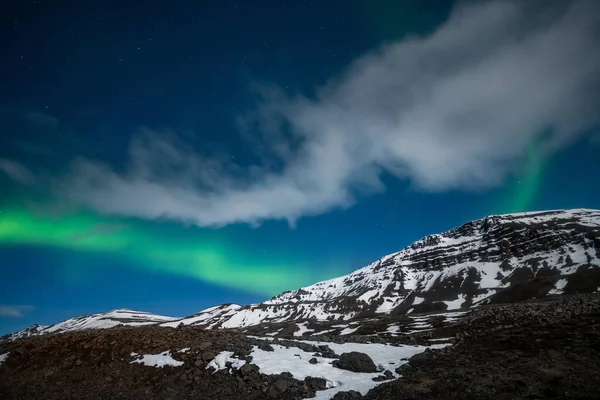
(526, 189)
(207, 260)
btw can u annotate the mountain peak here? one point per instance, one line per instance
(498, 258)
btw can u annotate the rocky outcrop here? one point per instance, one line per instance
(355, 362)
(349, 395)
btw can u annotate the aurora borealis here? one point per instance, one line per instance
(198, 258)
(171, 160)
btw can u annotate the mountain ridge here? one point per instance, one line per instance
(498, 258)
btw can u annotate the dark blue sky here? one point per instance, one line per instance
(172, 156)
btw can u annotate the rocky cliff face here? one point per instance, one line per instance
(502, 258)
(498, 259)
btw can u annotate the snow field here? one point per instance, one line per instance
(295, 361)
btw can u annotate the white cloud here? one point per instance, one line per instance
(14, 311)
(16, 171)
(453, 110)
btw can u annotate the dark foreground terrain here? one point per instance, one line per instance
(545, 350)
(532, 350)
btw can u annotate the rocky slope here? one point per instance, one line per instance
(499, 308)
(497, 259)
(531, 350)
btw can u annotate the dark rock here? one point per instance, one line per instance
(264, 346)
(205, 345)
(356, 362)
(313, 361)
(208, 356)
(329, 354)
(350, 395)
(248, 369)
(315, 383)
(281, 385)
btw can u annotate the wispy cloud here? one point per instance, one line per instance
(16, 171)
(41, 119)
(452, 110)
(15, 311)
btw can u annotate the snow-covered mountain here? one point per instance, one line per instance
(503, 258)
(511, 257)
(93, 321)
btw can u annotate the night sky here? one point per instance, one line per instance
(171, 156)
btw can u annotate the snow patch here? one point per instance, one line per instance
(558, 287)
(273, 333)
(368, 295)
(455, 304)
(221, 360)
(393, 329)
(302, 329)
(156, 360)
(441, 339)
(323, 332)
(282, 360)
(348, 331)
(3, 357)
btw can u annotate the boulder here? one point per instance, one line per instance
(315, 383)
(205, 345)
(280, 385)
(208, 356)
(248, 369)
(356, 362)
(350, 395)
(264, 346)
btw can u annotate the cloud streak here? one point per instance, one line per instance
(16, 171)
(14, 311)
(456, 109)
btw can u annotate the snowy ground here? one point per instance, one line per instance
(221, 360)
(156, 360)
(3, 357)
(295, 361)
